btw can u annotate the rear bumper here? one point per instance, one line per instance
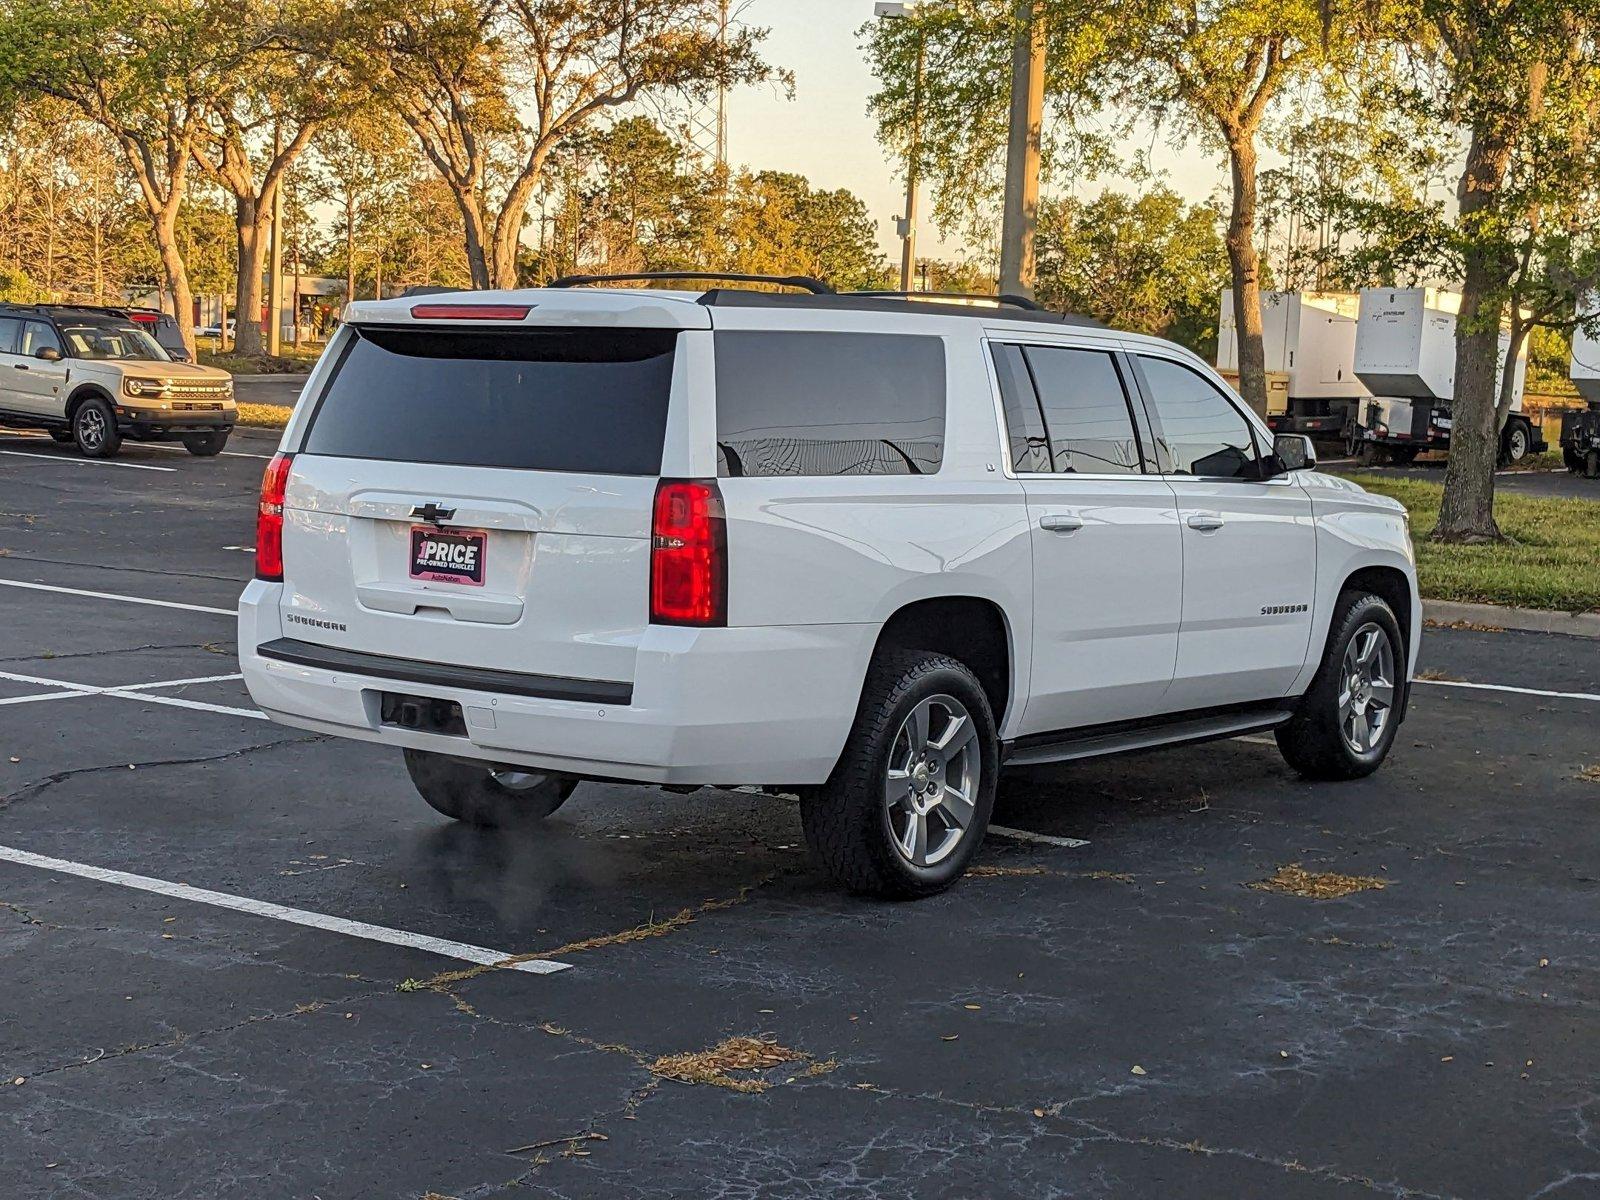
(768, 706)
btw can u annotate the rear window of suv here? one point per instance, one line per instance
(584, 400)
(798, 403)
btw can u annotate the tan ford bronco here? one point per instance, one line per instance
(93, 376)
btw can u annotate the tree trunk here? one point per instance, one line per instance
(251, 222)
(1466, 513)
(349, 249)
(1245, 264)
(172, 266)
(503, 255)
(474, 231)
(1508, 367)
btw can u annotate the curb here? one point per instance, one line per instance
(1529, 620)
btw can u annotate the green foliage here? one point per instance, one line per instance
(1150, 263)
(16, 287)
(492, 90)
(957, 117)
(1551, 561)
(627, 199)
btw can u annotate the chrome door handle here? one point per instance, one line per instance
(1061, 523)
(1206, 521)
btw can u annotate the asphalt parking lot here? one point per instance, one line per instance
(1544, 482)
(217, 980)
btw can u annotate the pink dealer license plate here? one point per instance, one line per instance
(448, 555)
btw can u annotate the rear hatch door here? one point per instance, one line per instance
(481, 497)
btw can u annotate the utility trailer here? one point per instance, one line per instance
(1406, 354)
(1309, 339)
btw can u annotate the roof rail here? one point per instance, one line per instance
(893, 303)
(1003, 299)
(816, 287)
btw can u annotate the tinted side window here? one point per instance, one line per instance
(36, 335)
(1030, 448)
(589, 400)
(1085, 411)
(1203, 433)
(829, 404)
(10, 328)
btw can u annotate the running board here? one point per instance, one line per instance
(1089, 743)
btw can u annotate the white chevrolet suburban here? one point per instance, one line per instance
(863, 548)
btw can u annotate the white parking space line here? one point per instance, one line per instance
(66, 591)
(166, 683)
(1505, 687)
(1027, 835)
(86, 462)
(278, 912)
(181, 450)
(141, 693)
(35, 699)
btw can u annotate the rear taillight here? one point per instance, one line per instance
(689, 555)
(269, 519)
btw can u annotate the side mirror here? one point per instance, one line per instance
(1295, 452)
(48, 353)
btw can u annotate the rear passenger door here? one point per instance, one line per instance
(1249, 545)
(1107, 555)
(13, 396)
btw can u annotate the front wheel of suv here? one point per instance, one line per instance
(477, 795)
(909, 801)
(1346, 722)
(94, 428)
(205, 445)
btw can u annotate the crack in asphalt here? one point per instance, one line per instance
(67, 562)
(26, 915)
(206, 646)
(49, 781)
(181, 1038)
(1083, 1131)
(443, 981)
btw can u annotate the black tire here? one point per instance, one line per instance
(63, 437)
(1314, 740)
(850, 824)
(1404, 456)
(1572, 459)
(472, 795)
(1517, 443)
(1591, 465)
(94, 429)
(206, 445)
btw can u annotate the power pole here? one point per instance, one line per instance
(908, 231)
(275, 265)
(906, 226)
(1021, 213)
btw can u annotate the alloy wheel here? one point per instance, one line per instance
(92, 428)
(931, 789)
(1367, 688)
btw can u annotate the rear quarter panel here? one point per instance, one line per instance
(855, 549)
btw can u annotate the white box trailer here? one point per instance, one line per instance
(1311, 338)
(1406, 353)
(1585, 369)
